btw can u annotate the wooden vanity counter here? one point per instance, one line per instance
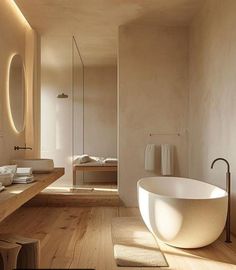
(16, 195)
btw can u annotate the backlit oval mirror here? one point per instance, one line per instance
(17, 92)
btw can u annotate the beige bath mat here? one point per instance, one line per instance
(134, 245)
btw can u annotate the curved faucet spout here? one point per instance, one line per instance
(223, 159)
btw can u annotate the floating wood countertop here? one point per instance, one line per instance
(16, 195)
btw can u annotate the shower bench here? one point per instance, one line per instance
(93, 167)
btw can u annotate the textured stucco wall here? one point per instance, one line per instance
(100, 117)
(100, 111)
(212, 107)
(153, 98)
(14, 34)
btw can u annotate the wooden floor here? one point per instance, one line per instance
(75, 237)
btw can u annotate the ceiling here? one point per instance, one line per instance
(95, 23)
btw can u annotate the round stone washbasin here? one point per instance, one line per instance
(37, 165)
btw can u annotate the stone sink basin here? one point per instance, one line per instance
(38, 165)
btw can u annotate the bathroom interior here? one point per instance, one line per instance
(117, 137)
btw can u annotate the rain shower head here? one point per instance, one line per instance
(62, 96)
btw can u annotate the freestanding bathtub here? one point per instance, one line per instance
(182, 212)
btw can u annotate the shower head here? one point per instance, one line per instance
(62, 96)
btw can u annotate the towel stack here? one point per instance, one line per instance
(86, 159)
(23, 176)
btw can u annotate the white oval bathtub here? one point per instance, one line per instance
(182, 212)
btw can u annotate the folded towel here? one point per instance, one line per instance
(82, 159)
(23, 179)
(23, 182)
(111, 160)
(24, 171)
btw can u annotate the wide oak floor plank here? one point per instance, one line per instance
(80, 237)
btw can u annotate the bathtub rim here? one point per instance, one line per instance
(181, 198)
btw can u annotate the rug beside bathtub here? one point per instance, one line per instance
(134, 245)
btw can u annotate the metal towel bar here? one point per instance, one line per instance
(164, 134)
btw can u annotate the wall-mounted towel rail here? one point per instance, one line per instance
(164, 134)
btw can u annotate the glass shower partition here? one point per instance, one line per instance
(78, 107)
(62, 71)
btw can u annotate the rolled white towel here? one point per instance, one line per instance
(111, 160)
(97, 159)
(24, 171)
(82, 159)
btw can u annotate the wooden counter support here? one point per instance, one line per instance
(8, 253)
(28, 256)
(16, 195)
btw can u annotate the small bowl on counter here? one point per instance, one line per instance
(7, 174)
(6, 179)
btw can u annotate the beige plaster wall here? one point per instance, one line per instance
(100, 116)
(100, 111)
(33, 68)
(13, 31)
(212, 108)
(153, 98)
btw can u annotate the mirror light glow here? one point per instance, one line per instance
(8, 96)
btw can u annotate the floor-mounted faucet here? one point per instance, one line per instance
(228, 189)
